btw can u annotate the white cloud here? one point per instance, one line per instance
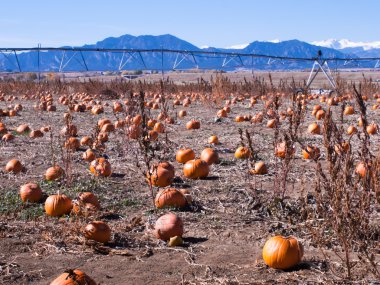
(344, 43)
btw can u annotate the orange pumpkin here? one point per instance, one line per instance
(282, 252)
(161, 175)
(314, 129)
(54, 173)
(101, 167)
(243, 152)
(170, 197)
(184, 155)
(73, 277)
(280, 150)
(196, 168)
(193, 125)
(98, 231)
(210, 156)
(260, 169)
(14, 166)
(311, 152)
(89, 198)
(167, 226)
(372, 129)
(348, 110)
(30, 192)
(361, 169)
(182, 113)
(213, 140)
(58, 205)
(89, 155)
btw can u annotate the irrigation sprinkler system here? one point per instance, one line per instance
(223, 59)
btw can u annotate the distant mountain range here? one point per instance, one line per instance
(51, 60)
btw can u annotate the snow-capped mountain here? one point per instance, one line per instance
(344, 43)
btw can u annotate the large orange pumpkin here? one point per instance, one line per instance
(282, 252)
(167, 226)
(170, 197)
(98, 231)
(73, 277)
(58, 205)
(161, 175)
(30, 192)
(184, 155)
(196, 168)
(210, 156)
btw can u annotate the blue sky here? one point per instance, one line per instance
(25, 23)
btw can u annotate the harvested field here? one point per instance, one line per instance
(331, 209)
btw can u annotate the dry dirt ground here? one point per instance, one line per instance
(225, 229)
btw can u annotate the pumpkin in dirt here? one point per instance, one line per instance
(89, 155)
(193, 125)
(89, 198)
(58, 205)
(30, 192)
(73, 277)
(243, 152)
(14, 166)
(196, 168)
(210, 156)
(168, 226)
(260, 169)
(170, 197)
(101, 167)
(282, 252)
(161, 175)
(184, 155)
(54, 173)
(314, 129)
(280, 150)
(213, 140)
(311, 152)
(98, 231)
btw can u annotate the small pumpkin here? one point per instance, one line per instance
(58, 205)
(14, 166)
(170, 197)
(23, 129)
(30, 192)
(184, 155)
(89, 155)
(282, 252)
(348, 110)
(351, 130)
(243, 152)
(196, 168)
(260, 169)
(372, 129)
(213, 140)
(73, 277)
(311, 152)
(314, 129)
(101, 167)
(193, 125)
(98, 231)
(168, 226)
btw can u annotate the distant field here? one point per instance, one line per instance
(188, 77)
